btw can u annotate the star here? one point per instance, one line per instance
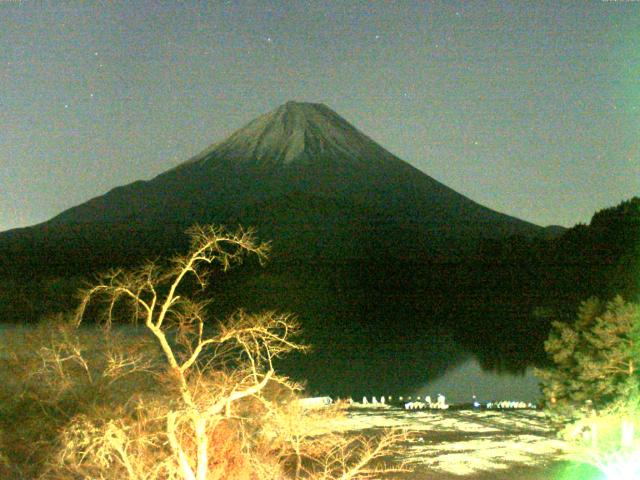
(377, 37)
(66, 105)
(269, 39)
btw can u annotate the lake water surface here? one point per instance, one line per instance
(437, 368)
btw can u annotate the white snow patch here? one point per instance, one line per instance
(481, 441)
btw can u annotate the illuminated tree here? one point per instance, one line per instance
(593, 386)
(219, 402)
(595, 358)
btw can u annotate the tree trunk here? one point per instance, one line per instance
(627, 433)
(203, 443)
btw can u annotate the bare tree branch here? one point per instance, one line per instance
(207, 378)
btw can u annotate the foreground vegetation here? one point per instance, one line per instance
(182, 396)
(592, 388)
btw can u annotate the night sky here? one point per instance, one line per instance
(530, 107)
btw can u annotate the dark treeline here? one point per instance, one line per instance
(599, 259)
(396, 317)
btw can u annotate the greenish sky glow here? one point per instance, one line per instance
(530, 108)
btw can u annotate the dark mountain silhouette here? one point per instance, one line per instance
(301, 174)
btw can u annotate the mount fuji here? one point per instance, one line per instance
(304, 177)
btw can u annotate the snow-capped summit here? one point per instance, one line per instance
(297, 132)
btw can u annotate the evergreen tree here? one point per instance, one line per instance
(595, 358)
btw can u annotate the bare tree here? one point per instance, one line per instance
(220, 409)
(247, 344)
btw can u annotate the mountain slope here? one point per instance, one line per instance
(298, 150)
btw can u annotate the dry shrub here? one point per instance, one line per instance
(53, 374)
(117, 429)
(226, 458)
